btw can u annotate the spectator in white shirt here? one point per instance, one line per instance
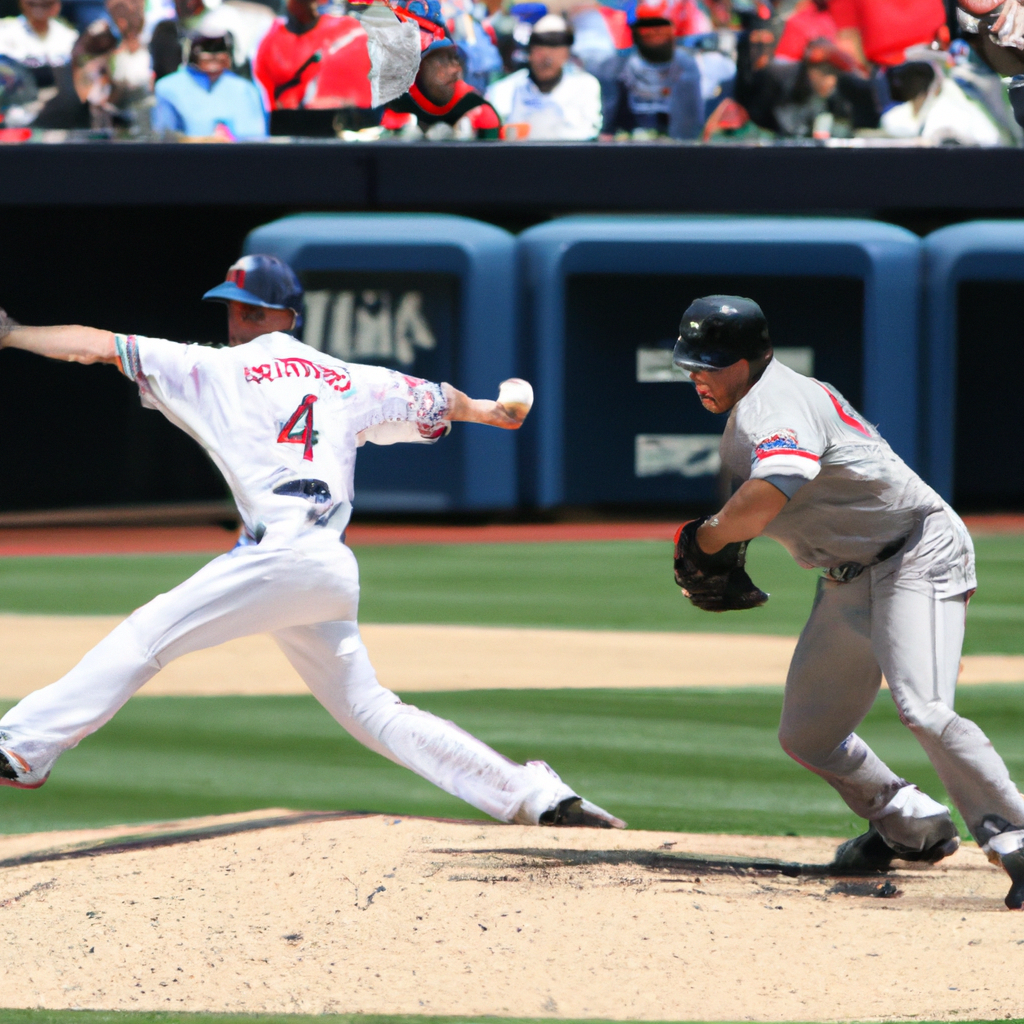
(36, 38)
(552, 98)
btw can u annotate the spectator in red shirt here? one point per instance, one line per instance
(440, 104)
(313, 61)
(811, 20)
(879, 31)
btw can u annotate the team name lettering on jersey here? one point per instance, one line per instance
(294, 366)
(850, 421)
(781, 442)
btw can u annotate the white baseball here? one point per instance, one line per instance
(516, 395)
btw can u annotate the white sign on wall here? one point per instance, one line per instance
(368, 326)
(689, 455)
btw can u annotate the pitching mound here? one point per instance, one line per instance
(305, 912)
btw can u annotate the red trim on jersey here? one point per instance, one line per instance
(789, 451)
(849, 420)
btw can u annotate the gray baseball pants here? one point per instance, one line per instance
(857, 631)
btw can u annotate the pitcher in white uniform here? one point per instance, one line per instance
(282, 422)
(898, 571)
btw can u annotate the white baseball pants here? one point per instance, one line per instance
(303, 589)
(856, 632)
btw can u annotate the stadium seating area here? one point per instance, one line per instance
(755, 72)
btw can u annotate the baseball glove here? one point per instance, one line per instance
(714, 583)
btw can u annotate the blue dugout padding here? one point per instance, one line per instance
(430, 295)
(987, 253)
(605, 295)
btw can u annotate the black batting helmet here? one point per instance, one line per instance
(719, 330)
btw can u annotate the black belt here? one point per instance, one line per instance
(851, 570)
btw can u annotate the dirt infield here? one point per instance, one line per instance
(307, 913)
(40, 648)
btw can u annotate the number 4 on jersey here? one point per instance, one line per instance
(293, 433)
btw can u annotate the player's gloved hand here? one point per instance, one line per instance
(714, 583)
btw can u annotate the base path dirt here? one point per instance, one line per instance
(37, 649)
(370, 914)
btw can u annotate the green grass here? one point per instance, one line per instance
(601, 585)
(688, 760)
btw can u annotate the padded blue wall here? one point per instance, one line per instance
(980, 251)
(882, 260)
(467, 270)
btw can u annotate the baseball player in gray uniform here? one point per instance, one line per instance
(282, 422)
(898, 571)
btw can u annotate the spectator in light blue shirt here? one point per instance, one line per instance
(204, 98)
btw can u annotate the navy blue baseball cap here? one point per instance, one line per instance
(260, 280)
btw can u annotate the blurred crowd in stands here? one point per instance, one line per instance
(924, 71)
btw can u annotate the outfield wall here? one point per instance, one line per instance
(592, 325)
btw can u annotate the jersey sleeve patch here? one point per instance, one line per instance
(782, 442)
(429, 408)
(128, 355)
(780, 454)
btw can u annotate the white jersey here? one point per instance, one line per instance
(571, 110)
(281, 420)
(852, 499)
(19, 41)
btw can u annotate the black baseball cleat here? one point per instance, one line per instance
(1013, 865)
(575, 812)
(870, 852)
(1004, 844)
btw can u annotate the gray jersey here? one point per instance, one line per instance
(852, 498)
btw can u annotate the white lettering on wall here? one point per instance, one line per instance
(368, 325)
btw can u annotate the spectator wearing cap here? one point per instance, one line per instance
(262, 294)
(878, 32)
(552, 98)
(658, 89)
(510, 27)
(204, 98)
(820, 97)
(294, 52)
(37, 38)
(439, 104)
(247, 22)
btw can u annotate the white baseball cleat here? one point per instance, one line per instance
(575, 812)
(16, 771)
(552, 802)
